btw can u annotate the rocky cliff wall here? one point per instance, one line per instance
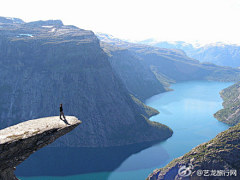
(43, 65)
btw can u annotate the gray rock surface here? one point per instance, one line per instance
(18, 142)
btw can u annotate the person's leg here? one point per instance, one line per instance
(60, 115)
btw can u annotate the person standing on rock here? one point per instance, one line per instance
(61, 111)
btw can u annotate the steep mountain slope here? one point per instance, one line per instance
(217, 159)
(230, 114)
(218, 53)
(139, 79)
(173, 65)
(45, 63)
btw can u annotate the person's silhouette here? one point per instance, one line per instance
(61, 111)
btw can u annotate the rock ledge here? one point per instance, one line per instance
(18, 142)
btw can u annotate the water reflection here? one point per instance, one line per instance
(52, 161)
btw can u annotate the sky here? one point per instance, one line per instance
(166, 20)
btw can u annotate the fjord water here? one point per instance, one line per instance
(188, 110)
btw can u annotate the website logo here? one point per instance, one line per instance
(185, 171)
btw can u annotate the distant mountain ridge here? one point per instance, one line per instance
(172, 65)
(218, 53)
(11, 20)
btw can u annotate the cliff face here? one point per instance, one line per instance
(18, 142)
(46, 63)
(221, 154)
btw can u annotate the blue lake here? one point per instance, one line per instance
(188, 110)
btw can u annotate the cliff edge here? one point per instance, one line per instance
(18, 142)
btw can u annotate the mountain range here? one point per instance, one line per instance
(101, 80)
(103, 83)
(172, 65)
(219, 53)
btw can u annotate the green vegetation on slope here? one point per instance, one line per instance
(149, 110)
(220, 153)
(231, 112)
